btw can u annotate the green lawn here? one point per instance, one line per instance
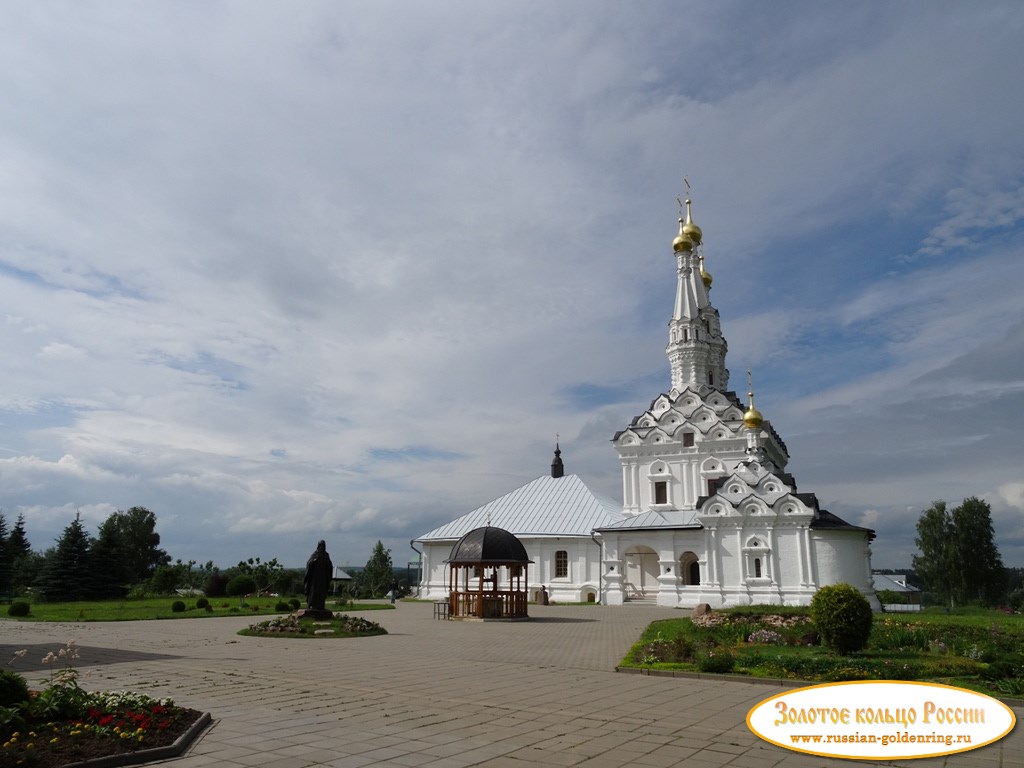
(160, 608)
(976, 649)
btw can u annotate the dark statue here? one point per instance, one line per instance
(319, 571)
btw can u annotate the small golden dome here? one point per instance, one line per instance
(683, 241)
(705, 276)
(753, 419)
(691, 229)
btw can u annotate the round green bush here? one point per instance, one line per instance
(202, 603)
(13, 688)
(295, 603)
(18, 608)
(178, 606)
(282, 606)
(843, 617)
(241, 586)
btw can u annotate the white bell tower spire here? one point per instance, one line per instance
(696, 348)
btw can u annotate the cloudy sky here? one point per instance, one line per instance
(290, 271)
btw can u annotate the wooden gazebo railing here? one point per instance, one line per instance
(477, 591)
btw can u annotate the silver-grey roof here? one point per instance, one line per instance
(547, 506)
(882, 581)
(672, 518)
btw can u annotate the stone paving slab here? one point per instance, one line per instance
(442, 694)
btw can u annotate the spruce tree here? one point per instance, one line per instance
(18, 541)
(5, 557)
(67, 574)
(107, 559)
(378, 575)
(25, 564)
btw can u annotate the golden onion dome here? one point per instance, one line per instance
(753, 419)
(691, 229)
(704, 275)
(683, 241)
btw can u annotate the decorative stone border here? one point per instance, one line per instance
(182, 743)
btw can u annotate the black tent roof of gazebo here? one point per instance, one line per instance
(488, 545)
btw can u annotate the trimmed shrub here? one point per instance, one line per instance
(295, 603)
(18, 608)
(717, 659)
(178, 606)
(843, 617)
(13, 688)
(241, 586)
(282, 606)
(202, 603)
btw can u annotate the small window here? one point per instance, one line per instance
(687, 439)
(661, 492)
(757, 567)
(711, 378)
(561, 564)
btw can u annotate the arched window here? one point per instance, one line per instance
(661, 492)
(561, 564)
(757, 554)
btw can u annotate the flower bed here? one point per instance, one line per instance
(104, 730)
(63, 724)
(980, 653)
(340, 625)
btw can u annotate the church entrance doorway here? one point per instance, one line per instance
(641, 573)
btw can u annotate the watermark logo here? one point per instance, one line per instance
(881, 720)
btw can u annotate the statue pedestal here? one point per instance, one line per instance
(319, 614)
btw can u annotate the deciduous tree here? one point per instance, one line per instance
(959, 559)
(140, 543)
(264, 574)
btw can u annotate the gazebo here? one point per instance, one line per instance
(487, 576)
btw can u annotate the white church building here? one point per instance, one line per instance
(709, 513)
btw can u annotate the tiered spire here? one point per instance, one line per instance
(557, 468)
(696, 349)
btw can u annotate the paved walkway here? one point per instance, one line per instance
(436, 693)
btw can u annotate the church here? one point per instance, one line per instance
(709, 513)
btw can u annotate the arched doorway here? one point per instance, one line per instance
(641, 572)
(689, 569)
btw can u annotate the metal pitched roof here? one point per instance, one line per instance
(547, 506)
(656, 519)
(882, 581)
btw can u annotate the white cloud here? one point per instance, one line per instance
(248, 258)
